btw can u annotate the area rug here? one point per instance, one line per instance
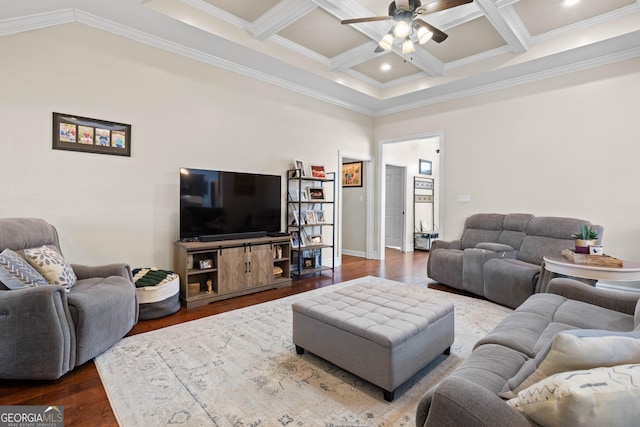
(240, 368)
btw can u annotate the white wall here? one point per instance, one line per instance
(183, 114)
(566, 146)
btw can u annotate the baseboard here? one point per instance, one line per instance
(354, 253)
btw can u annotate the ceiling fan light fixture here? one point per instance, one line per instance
(407, 46)
(402, 29)
(424, 34)
(387, 42)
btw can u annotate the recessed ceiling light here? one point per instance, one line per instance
(385, 67)
(568, 3)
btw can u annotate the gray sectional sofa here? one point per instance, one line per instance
(469, 396)
(499, 256)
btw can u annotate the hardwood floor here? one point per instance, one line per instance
(80, 391)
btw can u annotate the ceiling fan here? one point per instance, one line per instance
(408, 17)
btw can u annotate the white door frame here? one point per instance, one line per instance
(381, 183)
(368, 166)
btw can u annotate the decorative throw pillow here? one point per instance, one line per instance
(51, 265)
(576, 349)
(595, 397)
(16, 273)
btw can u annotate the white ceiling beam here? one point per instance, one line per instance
(516, 25)
(280, 16)
(450, 18)
(507, 24)
(353, 57)
(424, 60)
(347, 9)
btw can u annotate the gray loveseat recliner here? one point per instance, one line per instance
(499, 256)
(469, 396)
(46, 331)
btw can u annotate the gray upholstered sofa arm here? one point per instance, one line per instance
(624, 302)
(87, 271)
(38, 340)
(442, 244)
(458, 402)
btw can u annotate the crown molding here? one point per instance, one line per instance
(35, 22)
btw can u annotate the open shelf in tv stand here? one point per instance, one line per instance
(230, 268)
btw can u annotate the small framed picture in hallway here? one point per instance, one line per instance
(352, 174)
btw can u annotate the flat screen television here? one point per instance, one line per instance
(219, 205)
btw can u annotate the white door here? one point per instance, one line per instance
(394, 206)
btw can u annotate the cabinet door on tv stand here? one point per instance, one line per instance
(231, 269)
(260, 265)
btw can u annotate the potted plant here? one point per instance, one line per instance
(586, 237)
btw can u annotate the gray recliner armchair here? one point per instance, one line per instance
(46, 331)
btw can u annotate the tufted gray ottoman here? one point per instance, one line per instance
(384, 334)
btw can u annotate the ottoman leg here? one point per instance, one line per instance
(389, 395)
(299, 349)
(448, 351)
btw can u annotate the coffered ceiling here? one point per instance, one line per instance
(301, 44)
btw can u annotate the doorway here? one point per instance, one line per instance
(407, 152)
(355, 209)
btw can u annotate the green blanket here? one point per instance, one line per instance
(143, 277)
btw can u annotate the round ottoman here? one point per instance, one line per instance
(158, 292)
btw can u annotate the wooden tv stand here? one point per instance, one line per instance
(213, 271)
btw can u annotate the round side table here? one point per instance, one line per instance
(630, 271)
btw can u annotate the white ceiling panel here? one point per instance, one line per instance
(400, 67)
(468, 39)
(322, 33)
(247, 10)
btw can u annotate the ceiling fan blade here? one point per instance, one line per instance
(371, 19)
(438, 5)
(438, 36)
